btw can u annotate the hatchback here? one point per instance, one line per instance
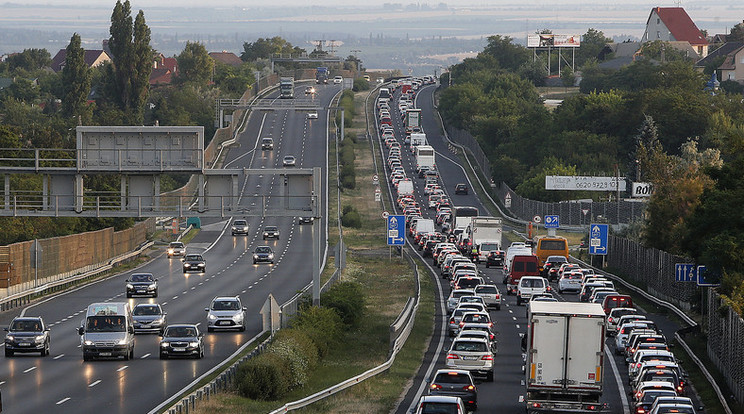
(456, 383)
(471, 354)
(225, 312)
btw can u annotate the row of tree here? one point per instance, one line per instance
(653, 121)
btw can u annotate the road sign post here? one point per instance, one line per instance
(598, 240)
(685, 272)
(396, 231)
(707, 278)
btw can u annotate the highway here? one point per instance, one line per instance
(63, 383)
(505, 394)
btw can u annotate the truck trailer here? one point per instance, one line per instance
(565, 357)
(321, 75)
(286, 88)
(485, 234)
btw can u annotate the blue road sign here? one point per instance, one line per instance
(707, 278)
(685, 272)
(552, 222)
(598, 239)
(396, 230)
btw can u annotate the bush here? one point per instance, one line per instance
(347, 298)
(348, 177)
(347, 156)
(263, 377)
(352, 219)
(360, 84)
(299, 352)
(322, 325)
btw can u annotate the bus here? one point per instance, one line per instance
(550, 246)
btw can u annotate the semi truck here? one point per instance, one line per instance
(565, 357)
(485, 234)
(413, 120)
(286, 88)
(321, 75)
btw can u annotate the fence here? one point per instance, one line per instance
(726, 342)
(465, 139)
(652, 269)
(66, 256)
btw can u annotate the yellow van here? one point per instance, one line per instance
(550, 246)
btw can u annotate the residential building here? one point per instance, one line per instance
(730, 60)
(674, 24)
(92, 58)
(226, 57)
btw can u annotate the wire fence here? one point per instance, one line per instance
(725, 331)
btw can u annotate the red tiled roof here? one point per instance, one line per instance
(161, 76)
(90, 57)
(227, 58)
(680, 25)
(171, 63)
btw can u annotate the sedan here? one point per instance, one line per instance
(142, 284)
(194, 263)
(455, 383)
(182, 341)
(27, 334)
(239, 227)
(271, 232)
(312, 115)
(461, 189)
(263, 254)
(337, 80)
(289, 161)
(149, 317)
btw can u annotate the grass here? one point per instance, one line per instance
(387, 284)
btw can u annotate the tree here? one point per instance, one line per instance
(132, 60)
(592, 42)
(737, 33)
(76, 80)
(194, 64)
(509, 55)
(263, 48)
(29, 60)
(568, 77)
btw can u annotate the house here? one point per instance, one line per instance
(228, 58)
(92, 58)
(731, 56)
(163, 70)
(625, 53)
(674, 24)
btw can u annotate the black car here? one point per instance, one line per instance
(182, 341)
(27, 334)
(495, 258)
(142, 284)
(456, 383)
(271, 232)
(149, 318)
(305, 220)
(461, 189)
(263, 254)
(551, 265)
(194, 263)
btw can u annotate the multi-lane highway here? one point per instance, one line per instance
(505, 394)
(63, 383)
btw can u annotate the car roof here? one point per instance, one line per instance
(226, 298)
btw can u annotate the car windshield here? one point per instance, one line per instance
(270, 228)
(225, 305)
(142, 278)
(194, 257)
(451, 378)
(490, 290)
(145, 310)
(176, 244)
(469, 346)
(475, 318)
(532, 283)
(107, 323)
(26, 326)
(263, 249)
(180, 332)
(240, 222)
(439, 408)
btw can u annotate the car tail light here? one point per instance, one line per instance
(591, 407)
(490, 324)
(469, 388)
(498, 296)
(610, 319)
(490, 358)
(638, 365)
(536, 405)
(435, 387)
(640, 410)
(638, 395)
(452, 356)
(462, 324)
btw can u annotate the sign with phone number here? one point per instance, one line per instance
(578, 183)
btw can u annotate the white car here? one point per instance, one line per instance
(225, 312)
(337, 80)
(471, 354)
(531, 285)
(570, 281)
(440, 403)
(312, 115)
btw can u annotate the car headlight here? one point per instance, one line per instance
(164, 344)
(266, 234)
(122, 342)
(238, 317)
(211, 317)
(193, 344)
(271, 255)
(10, 337)
(88, 342)
(153, 286)
(255, 256)
(201, 264)
(39, 338)
(170, 251)
(187, 265)
(129, 286)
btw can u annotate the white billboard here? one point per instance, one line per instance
(642, 190)
(579, 183)
(553, 40)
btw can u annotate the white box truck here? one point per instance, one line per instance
(418, 139)
(405, 187)
(565, 357)
(485, 234)
(425, 157)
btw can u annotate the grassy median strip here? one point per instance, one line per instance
(387, 284)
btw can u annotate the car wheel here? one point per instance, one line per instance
(519, 301)
(131, 353)
(486, 265)
(498, 307)
(129, 295)
(201, 354)
(155, 294)
(210, 330)
(163, 356)
(242, 328)
(489, 376)
(86, 357)
(8, 353)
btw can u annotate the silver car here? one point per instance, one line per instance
(454, 298)
(471, 354)
(490, 295)
(225, 312)
(239, 227)
(149, 318)
(176, 249)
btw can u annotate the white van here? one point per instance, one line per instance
(107, 331)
